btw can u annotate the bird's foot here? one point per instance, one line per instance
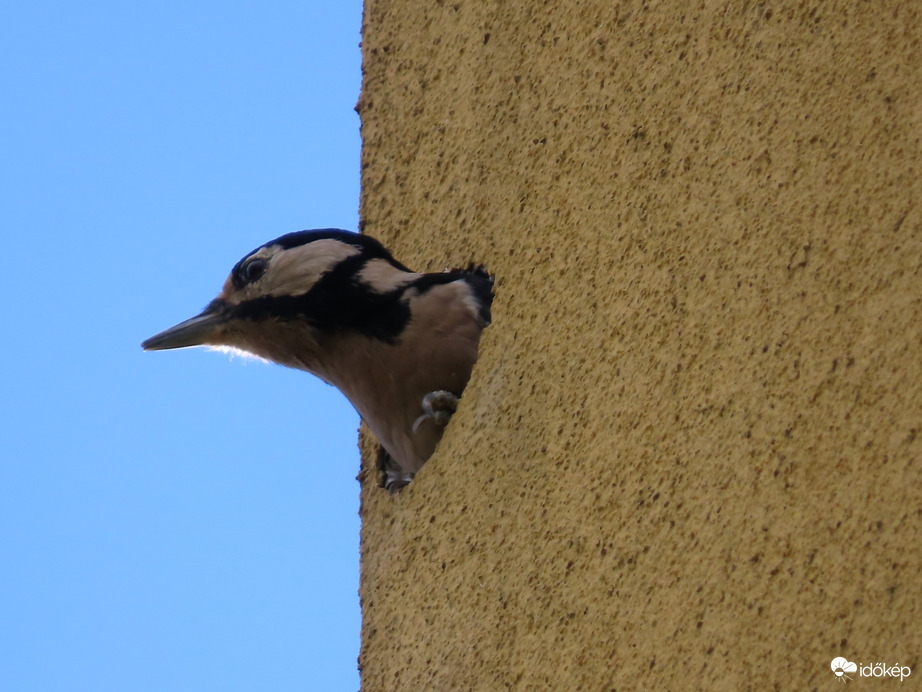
(393, 478)
(439, 406)
(394, 481)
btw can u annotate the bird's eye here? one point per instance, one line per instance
(253, 270)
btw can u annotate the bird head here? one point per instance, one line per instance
(282, 300)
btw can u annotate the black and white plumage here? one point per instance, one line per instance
(400, 345)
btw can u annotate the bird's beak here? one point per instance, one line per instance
(197, 331)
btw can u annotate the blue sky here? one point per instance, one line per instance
(180, 520)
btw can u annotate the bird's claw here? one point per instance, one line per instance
(395, 481)
(439, 406)
(393, 478)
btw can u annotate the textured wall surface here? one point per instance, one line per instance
(690, 453)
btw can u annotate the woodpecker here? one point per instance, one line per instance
(399, 344)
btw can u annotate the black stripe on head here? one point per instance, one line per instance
(371, 248)
(338, 303)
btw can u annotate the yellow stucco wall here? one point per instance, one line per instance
(690, 453)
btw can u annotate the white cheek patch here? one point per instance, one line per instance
(295, 271)
(383, 277)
